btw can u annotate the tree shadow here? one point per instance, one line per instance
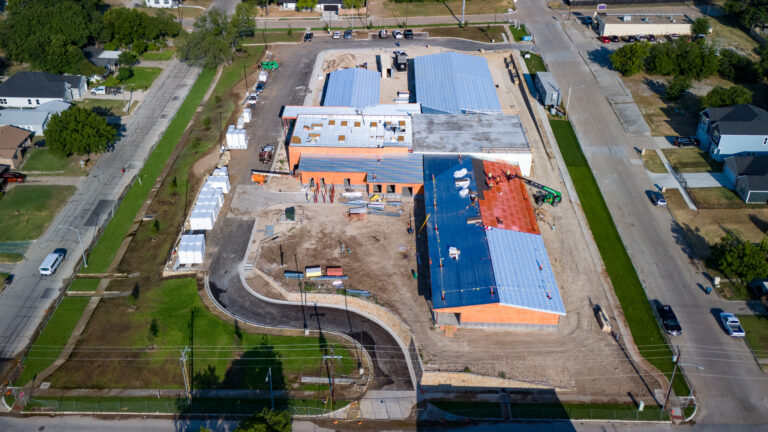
(422, 249)
(690, 240)
(759, 222)
(601, 56)
(656, 86)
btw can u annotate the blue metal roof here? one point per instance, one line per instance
(495, 265)
(523, 272)
(453, 83)
(387, 169)
(357, 88)
(469, 280)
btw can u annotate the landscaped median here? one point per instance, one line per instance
(626, 284)
(104, 251)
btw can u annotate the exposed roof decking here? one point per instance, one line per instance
(507, 204)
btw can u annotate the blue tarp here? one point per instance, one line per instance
(469, 280)
(357, 88)
(453, 83)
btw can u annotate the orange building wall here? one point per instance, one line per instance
(498, 313)
(355, 179)
(294, 152)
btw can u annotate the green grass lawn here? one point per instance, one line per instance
(54, 336)
(163, 55)
(218, 358)
(756, 333)
(629, 290)
(439, 8)
(691, 160)
(275, 36)
(518, 33)
(734, 291)
(719, 198)
(43, 160)
(110, 107)
(104, 251)
(26, 211)
(490, 33)
(653, 163)
(534, 63)
(142, 78)
(84, 284)
(178, 406)
(10, 258)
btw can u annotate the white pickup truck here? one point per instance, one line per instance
(732, 324)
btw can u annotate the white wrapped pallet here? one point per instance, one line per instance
(213, 194)
(246, 116)
(192, 249)
(201, 219)
(240, 123)
(209, 203)
(223, 171)
(243, 139)
(218, 182)
(231, 137)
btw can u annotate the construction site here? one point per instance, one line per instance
(426, 192)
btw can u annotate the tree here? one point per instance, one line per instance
(214, 38)
(306, 4)
(700, 26)
(130, 26)
(743, 260)
(749, 12)
(738, 68)
(154, 328)
(721, 96)
(124, 74)
(676, 87)
(266, 421)
(78, 131)
(630, 59)
(127, 58)
(662, 59)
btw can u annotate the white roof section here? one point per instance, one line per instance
(53, 107)
(293, 111)
(352, 131)
(110, 55)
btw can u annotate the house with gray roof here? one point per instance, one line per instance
(102, 58)
(32, 89)
(735, 130)
(32, 120)
(749, 175)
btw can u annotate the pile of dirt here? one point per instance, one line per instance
(342, 61)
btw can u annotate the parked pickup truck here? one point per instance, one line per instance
(114, 90)
(13, 177)
(266, 154)
(732, 324)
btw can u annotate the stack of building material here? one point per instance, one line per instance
(191, 249)
(204, 213)
(236, 138)
(218, 182)
(333, 271)
(246, 115)
(313, 271)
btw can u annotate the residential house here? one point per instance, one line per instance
(102, 58)
(32, 89)
(33, 120)
(749, 175)
(162, 3)
(734, 130)
(13, 144)
(322, 5)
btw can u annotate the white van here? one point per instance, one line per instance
(52, 262)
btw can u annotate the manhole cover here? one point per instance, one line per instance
(164, 116)
(175, 98)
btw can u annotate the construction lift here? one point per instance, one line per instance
(547, 194)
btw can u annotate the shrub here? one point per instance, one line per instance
(677, 86)
(700, 26)
(630, 59)
(124, 74)
(721, 96)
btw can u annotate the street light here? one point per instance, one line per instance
(79, 240)
(676, 359)
(568, 101)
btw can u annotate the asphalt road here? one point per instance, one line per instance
(23, 304)
(730, 389)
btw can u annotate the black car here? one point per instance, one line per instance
(308, 37)
(615, 39)
(651, 38)
(259, 87)
(684, 141)
(408, 34)
(669, 320)
(658, 199)
(630, 38)
(347, 34)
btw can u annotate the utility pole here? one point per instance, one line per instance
(245, 77)
(271, 397)
(332, 378)
(463, 6)
(183, 362)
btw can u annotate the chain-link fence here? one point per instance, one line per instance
(308, 407)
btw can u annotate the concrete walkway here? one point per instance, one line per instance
(54, 180)
(676, 181)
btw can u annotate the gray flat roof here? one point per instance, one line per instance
(461, 133)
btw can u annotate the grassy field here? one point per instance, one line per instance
(733, 291)
(44, 161)
(219, 357)
(719, 198)
(109, 107)
(491, 33)
(534, 63)
(385, 8)
(653, 163)
(178, 406)
(756, 333)
(728, 35)
(275, 36)
(27, 210)
(84, 284)
(142, 78)
(691, 160)
(10, 258)
(49, 344)
(163, 55)
(105, 249)
(518, 33)
(629, 290)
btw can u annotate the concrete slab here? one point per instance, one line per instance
(701, 180)
(631, 119)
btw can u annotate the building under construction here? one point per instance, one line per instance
(487, 260)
